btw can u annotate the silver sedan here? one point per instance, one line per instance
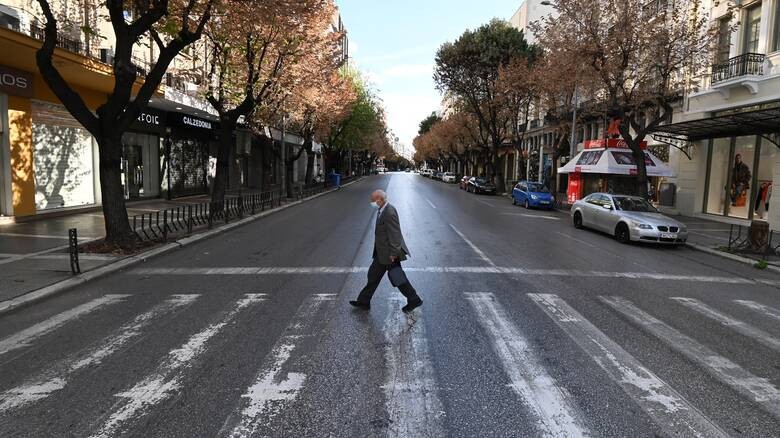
(628, 218)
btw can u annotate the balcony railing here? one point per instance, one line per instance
(63, 41)
(742, 65)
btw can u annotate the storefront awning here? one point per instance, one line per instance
(614, 161)
(761, 121)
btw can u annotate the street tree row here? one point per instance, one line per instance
(630, 60)
(271, 63)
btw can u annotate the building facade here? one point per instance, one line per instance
(727, 134)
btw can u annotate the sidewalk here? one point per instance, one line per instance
(34, 254)
(715, 235)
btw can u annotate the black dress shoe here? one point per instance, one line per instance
(360, 305)
(411, 306)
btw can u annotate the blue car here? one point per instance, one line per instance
(532, 194)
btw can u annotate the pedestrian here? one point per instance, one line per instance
(389, 251)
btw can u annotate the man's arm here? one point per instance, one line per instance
(394, 236)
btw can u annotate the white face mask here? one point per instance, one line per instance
(374, 204)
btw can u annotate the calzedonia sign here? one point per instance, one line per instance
(191, 122)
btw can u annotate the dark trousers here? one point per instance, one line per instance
(375, 274)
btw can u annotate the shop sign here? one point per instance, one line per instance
(150, 120)
(188, 121)
(610, 143)
(15, 82)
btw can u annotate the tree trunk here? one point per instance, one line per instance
(641, 167)
(289, 165)
(118, 231)
(219, 186)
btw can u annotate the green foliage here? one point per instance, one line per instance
(365, 121)
(761, 264)
(428, 123)
(468, 68)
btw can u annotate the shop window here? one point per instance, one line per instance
(720, 151)
(740, 192)
(752, 28)
(763, 193)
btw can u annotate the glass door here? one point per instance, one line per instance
(717, 176)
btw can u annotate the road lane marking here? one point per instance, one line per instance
(530, 380)
(670, 410)
(56, 377)
(738, 326)
(535, 216)
(756, 389)
(167, 378)
(29, 335)
(760, 308)
(410, 390)
(430, 203)
(485, 202)
(317, 270)
(479, 252)
(272, 387)
(577, 240)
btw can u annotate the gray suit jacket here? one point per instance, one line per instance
(388, 240)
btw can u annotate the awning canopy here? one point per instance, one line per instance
(614, 161)
(761, 121)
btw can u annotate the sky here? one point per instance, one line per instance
(394, 43)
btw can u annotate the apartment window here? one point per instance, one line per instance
(752, 28)
(724, 40)
(776, 45)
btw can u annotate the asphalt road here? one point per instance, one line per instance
(529, 328)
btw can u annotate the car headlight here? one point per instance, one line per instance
(534, 197)
(641, 226)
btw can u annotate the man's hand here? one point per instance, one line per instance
(393, 259)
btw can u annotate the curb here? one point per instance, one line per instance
(61, 286)
(733, 257)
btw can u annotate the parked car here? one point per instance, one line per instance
(481, 185)
(448, 177)
(628, 218)
(438, 175)
(532, 194)
(426, 173)
(464, 182)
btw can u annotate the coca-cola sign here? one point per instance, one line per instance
(15, 82)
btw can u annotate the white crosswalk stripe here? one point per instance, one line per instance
(757, 389)
(413, 405)
(55, 377)
(167, 378)
(740, 327)
(760, 308)
(529, 378)
(272, 386)
(668, 409)
(27, 336)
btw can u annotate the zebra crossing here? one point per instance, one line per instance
(414, 393)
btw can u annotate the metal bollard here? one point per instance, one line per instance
(189, 219)
(73, 246)
(165, 226)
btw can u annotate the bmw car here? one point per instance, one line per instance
(628, 218)
(532, 194)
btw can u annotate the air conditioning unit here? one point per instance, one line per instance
(190, 87)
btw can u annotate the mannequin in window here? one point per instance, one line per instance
(741, 180)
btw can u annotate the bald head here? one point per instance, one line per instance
(379, 196)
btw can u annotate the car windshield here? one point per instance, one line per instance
(481, 181)
(537, 188)
(634, 204)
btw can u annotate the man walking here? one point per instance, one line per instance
(389, 251)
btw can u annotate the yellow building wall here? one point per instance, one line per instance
(22, 172)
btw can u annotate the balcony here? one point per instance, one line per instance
(749, 64)
(63, 41)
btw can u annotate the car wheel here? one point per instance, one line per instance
(527, 205)
(577, 220)
(622, 234)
